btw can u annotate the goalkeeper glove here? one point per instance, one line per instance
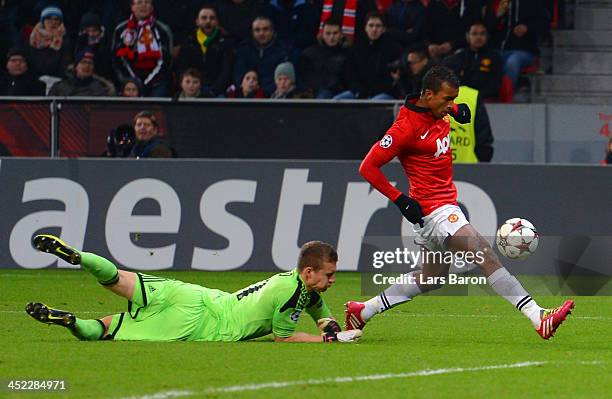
(328, 325)
(342, 336)
(410, 208)
(461, 113)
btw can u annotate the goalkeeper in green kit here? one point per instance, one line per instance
(161, 309)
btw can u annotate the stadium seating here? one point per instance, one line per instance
(582, 61)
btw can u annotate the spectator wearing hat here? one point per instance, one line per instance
(284, 78)
(142, 48)
(209, 51)
(82, 81)
(249, 87)
(18, 81)
(49, 50)
(93, 35)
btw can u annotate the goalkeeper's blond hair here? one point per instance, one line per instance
(315, 253)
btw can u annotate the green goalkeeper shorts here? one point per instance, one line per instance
(166, 310)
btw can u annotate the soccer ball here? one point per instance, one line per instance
(517, 238)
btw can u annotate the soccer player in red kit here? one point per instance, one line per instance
(420, 139)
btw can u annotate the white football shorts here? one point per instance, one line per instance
(438, 226)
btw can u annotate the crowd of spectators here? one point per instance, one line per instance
(342, 49)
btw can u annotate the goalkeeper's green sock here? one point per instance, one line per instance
(87, 330)
(102, 269)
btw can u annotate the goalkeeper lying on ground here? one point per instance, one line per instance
(162, 309)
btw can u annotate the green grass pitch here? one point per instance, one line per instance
(432, 347)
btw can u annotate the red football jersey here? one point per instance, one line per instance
(422, 144)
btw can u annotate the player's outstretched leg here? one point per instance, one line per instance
(358, 313)
(545, 321)
(120, 282)
(87, 330)
(102, 269)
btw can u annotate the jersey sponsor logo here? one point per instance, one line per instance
(424, 135)
(453, 217)
(295, 316)
(386, 141)
(443, 146)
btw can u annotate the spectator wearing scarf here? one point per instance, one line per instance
(209, 51)
(142, 49)
(48, 50)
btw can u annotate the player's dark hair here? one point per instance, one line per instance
(436, 76)
(314, 253)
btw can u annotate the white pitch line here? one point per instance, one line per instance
(336, 380)
(164, 395)
(341, 380)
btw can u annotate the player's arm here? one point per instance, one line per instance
(284, 323)
(283, 327)
(317, 308)
(382, 153)
(299, 337)
(341, 336)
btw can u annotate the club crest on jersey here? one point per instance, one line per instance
(386, 141)
(295, 315)
(443, 146)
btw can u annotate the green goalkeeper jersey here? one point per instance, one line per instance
(269, 306)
